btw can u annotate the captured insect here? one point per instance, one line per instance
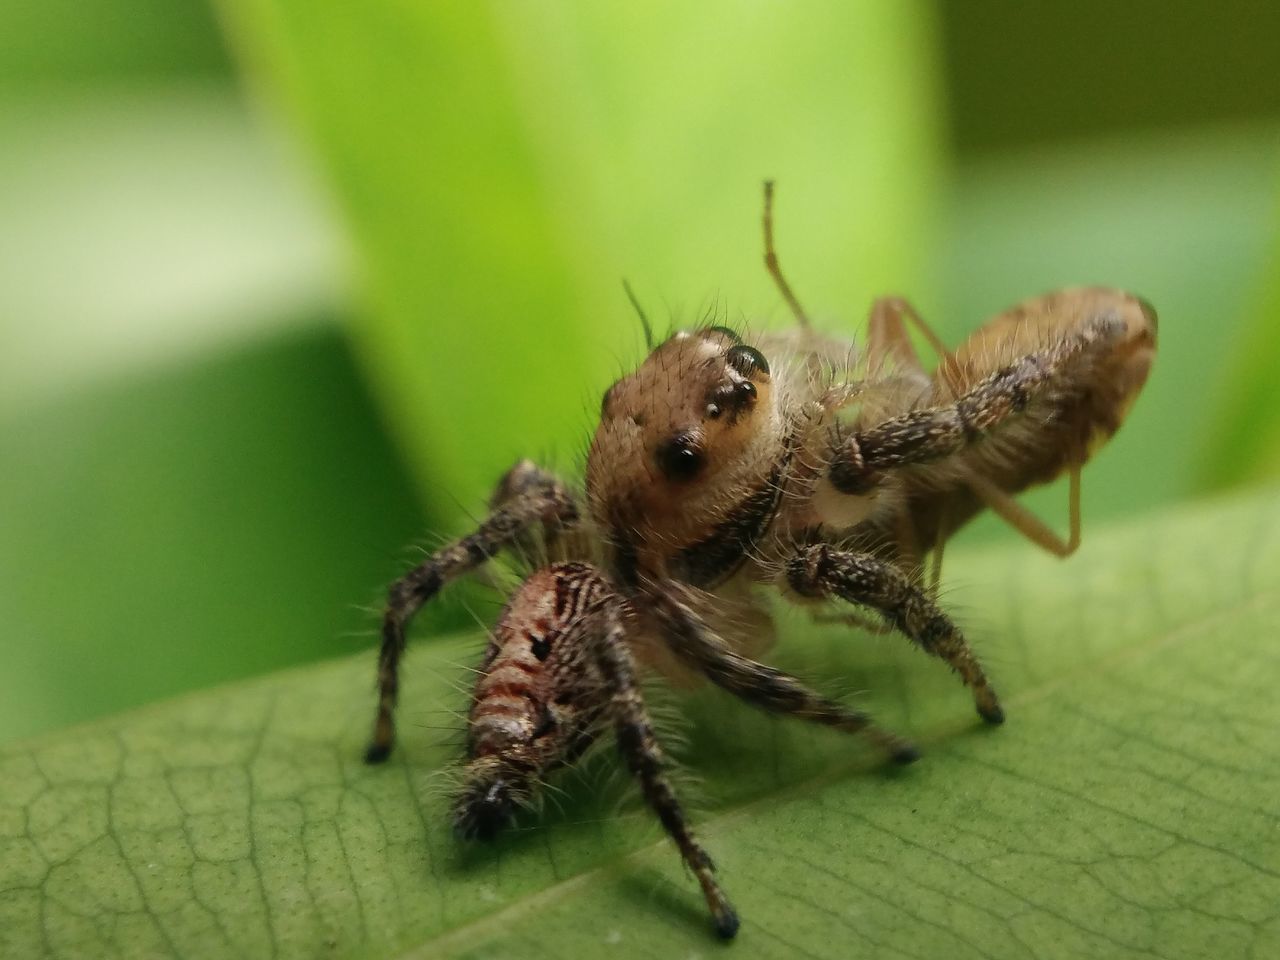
(721, 467)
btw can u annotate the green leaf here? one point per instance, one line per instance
(504, 166)
(202, 522)
(183, 226)
(1126, 809)
(61, 44)
(1245, 444)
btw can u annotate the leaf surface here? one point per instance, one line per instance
(1127, 809)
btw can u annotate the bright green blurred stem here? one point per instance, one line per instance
(503, 166)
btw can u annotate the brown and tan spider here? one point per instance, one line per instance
(720, 467)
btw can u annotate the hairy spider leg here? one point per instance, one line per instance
(528, 496)
(924, 436)
(643, 755)
(820, 570)
(887, 336)
(760, 685)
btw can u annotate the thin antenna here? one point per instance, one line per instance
(644, 320)
(771, 259)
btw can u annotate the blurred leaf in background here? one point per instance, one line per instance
(186, 446)
(66, 46)
(1244, 446)
(503, 166)
(1058, 73)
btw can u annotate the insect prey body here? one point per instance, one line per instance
(727, 464)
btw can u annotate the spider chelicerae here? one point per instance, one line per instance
(722, 467)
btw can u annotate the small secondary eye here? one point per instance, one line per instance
(747, 360)
(679, 458)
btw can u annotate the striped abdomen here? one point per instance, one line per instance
(538, 696)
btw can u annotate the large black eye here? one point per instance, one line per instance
(679, 458)
(747, 360)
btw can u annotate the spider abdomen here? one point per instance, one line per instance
(537, 699)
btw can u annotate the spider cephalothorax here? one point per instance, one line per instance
(682, 442)
(723, 466)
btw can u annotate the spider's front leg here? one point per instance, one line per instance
(526, 496)
(758, 684)
(822, 571)
(934, 433)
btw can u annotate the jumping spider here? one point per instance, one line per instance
(719, 466)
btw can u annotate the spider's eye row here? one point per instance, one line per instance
(732, 398)
(747, 360)
(680, 458)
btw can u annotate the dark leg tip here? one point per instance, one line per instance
(727, 924)
(993, 714)
(905, 753)
(377, 752)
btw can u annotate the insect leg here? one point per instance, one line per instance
(771, 260)
(1026, 522)
(758, 684)
(933, 433)
(527, 496)
(819, 570)
(639, 747)
(887, 335)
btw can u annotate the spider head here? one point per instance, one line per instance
(694, 423)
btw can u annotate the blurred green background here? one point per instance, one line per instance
(284, 285)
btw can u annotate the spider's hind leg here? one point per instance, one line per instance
(820, 570)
